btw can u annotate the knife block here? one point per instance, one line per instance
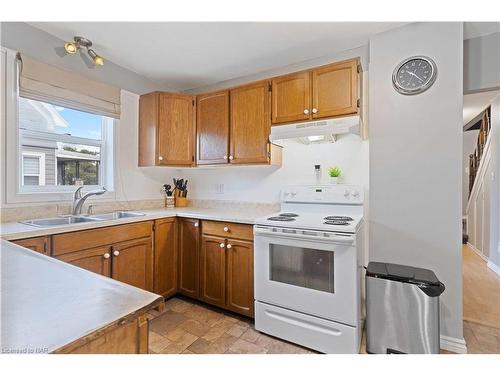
(181, 202)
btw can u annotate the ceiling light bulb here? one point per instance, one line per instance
(70, 48)
(98, 60)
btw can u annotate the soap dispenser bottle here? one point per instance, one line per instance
(317, 171)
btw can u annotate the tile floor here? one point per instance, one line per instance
(187, 327)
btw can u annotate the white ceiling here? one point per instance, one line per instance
(187, 55)
(474, 104)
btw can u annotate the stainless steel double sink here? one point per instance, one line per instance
(71, 219)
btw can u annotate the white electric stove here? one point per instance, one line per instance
(308, 268)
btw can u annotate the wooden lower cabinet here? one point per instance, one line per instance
(212, 270)
(165, 260)
(123, 338)
(133, 263)
(38, 244)
(188, 257)
(96, 260)
(239, 277)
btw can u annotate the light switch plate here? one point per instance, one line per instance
(219, 188)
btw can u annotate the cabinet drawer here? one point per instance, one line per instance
(85, 239)
(228, 230)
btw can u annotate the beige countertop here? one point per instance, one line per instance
(47, 303)
(15, 231)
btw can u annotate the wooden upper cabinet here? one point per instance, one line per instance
(335, 89)
(165, 264)
(38, 244)
(166, 129)
(212, 128)
(250, 123)
(239, 279)
(212, 270)
(291, 98)
(96, 260)
(189, 256)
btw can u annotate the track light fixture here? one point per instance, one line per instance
(81, 42)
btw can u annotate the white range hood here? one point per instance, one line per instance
(330, 127)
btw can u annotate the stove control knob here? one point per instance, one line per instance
(287, 193)
(347, 193)
(293, 194)
(355, 194)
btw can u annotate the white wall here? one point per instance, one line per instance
(494, 258)
(469, 144)
(416, 161)
(263, 183)
(482, 63)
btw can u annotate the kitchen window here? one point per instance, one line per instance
(62, 147)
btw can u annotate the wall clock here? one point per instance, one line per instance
(414, 75)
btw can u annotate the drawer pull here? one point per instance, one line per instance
(196, 224)
(106, 255)
(116, 253)
(229, 246)
(222, 245)
(226, 229)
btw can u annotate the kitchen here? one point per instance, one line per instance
(235, 213)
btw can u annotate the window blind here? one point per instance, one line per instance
(48, 83)
(31, 165)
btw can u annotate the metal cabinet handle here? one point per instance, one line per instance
(222, 245)
(116, 253)
(229, 246)
(306, 111)
(106, 255)
(315, 110)
(160, 157)
(196, 224)
(231, 157)
(226, 229)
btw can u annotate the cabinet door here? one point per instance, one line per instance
(239, 279)
(165, 264)
(212, 128)
(250, 123)
(335, 89)
(189, 254)
(38, 244)
(175, 130)
(291, 98)
(212, 270)
(96, 260)
(133, 263)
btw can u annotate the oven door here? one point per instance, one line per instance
(308, 272)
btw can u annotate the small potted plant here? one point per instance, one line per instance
(334, 173)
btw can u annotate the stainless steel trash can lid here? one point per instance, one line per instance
(425, 279)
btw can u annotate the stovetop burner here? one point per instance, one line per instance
(338, 218)
(281, 218)
(336, 222)
(288, 214)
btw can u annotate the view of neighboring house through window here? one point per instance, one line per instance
(61, 146)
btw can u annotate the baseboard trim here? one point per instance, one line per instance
(453, 344)
(492, 266)
(477, 251)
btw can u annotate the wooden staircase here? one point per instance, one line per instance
(475, 158)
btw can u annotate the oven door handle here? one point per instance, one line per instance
(332, 238)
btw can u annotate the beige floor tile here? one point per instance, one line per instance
(166, 322)
(250, 335)
(245, 347)
(202, 346)
(225, 341)
(236, 330)
(178, 305)
(180, 345)
(282, 347)
(194, 327)
(157, 342)
(187, 352)
(214, 333)
(175, 334)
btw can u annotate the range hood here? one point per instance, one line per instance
(330, 127)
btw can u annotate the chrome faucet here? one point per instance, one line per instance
(79, 200)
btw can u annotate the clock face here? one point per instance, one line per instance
(414, 75)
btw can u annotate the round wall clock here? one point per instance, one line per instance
(414, 75)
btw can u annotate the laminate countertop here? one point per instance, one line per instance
(47, 303)
(16, 231)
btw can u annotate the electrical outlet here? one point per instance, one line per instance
(219, 188)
